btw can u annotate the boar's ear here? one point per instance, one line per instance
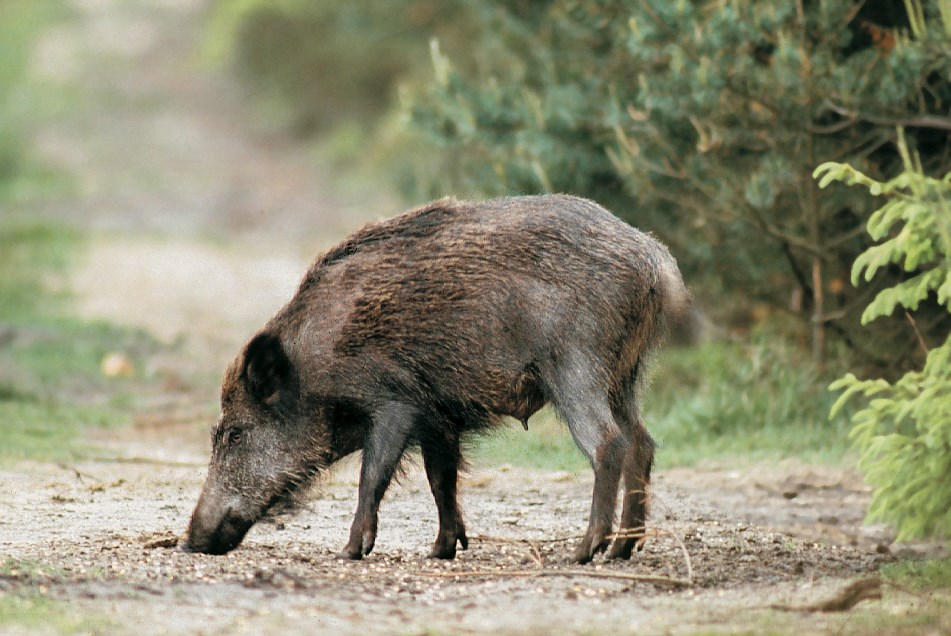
(267, 369)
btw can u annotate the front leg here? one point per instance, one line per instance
(391, 428)
(441, 458)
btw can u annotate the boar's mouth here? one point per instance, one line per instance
(220, 539)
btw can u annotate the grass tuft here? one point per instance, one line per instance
(546, 445)
(931, 574)
(51, 386)
(762, 400)
(34, 612)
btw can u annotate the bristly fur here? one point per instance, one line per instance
(293, 494)
(426, 328)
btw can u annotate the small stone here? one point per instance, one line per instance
(117, 365)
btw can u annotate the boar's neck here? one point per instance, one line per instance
(347, 423)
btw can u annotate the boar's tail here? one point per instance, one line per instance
(674, 294)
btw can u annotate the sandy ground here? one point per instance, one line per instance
(103, 534)
(202, 230)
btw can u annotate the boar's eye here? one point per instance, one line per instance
(234, 436)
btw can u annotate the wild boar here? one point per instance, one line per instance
(434, 325)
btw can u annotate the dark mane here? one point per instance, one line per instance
(423, 222)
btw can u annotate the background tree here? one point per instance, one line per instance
(703, 121)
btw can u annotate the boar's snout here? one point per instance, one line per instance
(215, 531)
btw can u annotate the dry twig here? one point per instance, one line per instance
(535, 553)
(493, 539)
(536, 556)
(914, 326)
(147, 461)
(641, 533)
(79, 474)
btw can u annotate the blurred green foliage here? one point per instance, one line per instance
(762, 399)
(319, 65)
(916, 600)
(20, 24)
(931, 574)
(703, 122)
(29, 250)
(51, 387)
(535, 110)
(546, 445)
(28, 609)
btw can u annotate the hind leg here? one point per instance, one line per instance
(605, 447)
(587, 412)
(637, 476)
(637, 469)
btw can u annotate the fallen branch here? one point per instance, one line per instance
(595, 574)
(852, 595)
(921, 340)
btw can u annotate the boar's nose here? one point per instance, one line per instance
(215, 535)
(224, 538)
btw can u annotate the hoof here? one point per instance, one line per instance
(588, 548)
(621, 549)
(346, 555)
(446, 555)
(445, 548)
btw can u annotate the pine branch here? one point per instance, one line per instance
(922, 121)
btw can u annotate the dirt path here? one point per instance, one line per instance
(103, 533)
(203, 221)
(202, 230)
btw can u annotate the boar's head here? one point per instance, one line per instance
(264, 450)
